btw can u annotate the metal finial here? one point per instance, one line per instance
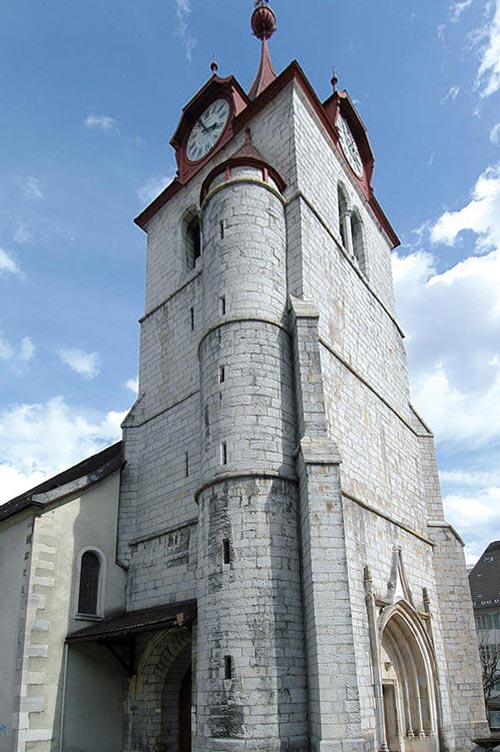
(263, 20)
(214, 66)
(334, 80)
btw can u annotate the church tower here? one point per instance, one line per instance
(280, 512)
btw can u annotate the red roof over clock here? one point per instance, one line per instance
(266, 87)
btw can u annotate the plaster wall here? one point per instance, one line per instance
(93, 713)
(58, 536)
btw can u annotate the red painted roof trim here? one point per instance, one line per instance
(292, 73)
(241, 161)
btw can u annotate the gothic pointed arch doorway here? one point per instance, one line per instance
(408, 682)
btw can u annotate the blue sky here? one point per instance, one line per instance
(91, 94)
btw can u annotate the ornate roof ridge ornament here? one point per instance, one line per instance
(263, 27)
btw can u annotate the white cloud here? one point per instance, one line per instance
(22, 234)
(495, 134)
(40, 440)
(452, 94)
(103, 123)
(458, 8)
(14, 482)
(86, 364)
(477, 516)
(17, 356)
(465, 479)
(8, 265)
(182, 31)
(27, 349)
(6, 349)
(453, 321)
(481, 215)
(465, 416)
(133, 385)
(152, 188)
(452, 318)
(488, 76)
(32, 187)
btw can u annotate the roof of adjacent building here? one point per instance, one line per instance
(134, 622)
(92, 469)
(484, 578)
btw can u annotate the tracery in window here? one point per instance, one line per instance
(351, 229)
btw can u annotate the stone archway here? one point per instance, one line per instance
(176, 705)
(158, 699)
(408, 677)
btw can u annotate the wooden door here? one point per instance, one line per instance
(185, 713)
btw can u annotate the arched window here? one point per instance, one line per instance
(351, 229)
(88, 591)
(358, 245)
(192, 240)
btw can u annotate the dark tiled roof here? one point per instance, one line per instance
(484, 579)
(99, 465)
(133, 622)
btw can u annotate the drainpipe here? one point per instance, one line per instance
(63, 700)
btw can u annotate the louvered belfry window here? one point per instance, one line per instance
(89, 583)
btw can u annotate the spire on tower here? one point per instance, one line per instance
(263, 26)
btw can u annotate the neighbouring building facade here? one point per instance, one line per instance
(291, 583)
(484, 580)
(59, 573)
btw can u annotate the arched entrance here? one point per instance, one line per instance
(176, 705)
(160, 696)
(408, 682)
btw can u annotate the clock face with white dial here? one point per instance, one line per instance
(207, 130)
(349, 146)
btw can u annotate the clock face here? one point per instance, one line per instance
(349, 146)
(208, 129)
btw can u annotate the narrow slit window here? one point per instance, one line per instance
(223, 305)
(226, 551)
(192, 319)
(223, 453)
(186, 464)
(228, 667)
(222, 374)
(193, 242)
(221, 225)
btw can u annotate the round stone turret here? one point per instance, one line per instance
(249, 612)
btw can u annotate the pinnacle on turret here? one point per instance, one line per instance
(263, 27)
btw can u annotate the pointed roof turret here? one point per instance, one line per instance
(263, 26)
